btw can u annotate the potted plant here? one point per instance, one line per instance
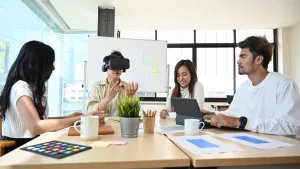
(129, 112)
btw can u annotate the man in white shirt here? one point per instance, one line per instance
(268, 102)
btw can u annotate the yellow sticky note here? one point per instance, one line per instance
(101, 144)
(154, 69)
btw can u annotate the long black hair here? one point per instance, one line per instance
(191, 67)
(33, 65)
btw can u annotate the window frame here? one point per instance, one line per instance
(196, 45)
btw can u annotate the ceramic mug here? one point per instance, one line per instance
(88, 127)
(191, 126)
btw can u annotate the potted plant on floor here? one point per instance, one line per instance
(129, 112)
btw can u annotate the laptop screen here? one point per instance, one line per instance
(186, 108)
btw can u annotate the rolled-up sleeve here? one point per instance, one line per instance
(94, 98)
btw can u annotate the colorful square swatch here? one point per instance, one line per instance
(56, 149)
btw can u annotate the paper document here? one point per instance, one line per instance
(203, 144)
(164, 129)
(254, 141)
(169, 129)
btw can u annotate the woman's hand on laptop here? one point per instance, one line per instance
(164, 113)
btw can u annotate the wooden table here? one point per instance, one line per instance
(152, 151)
(146, 151)
(249, 157)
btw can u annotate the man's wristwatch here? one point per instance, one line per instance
(243, 122)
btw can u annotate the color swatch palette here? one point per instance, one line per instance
(56, 149)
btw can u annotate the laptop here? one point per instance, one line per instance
(186, 108)
(229, 98)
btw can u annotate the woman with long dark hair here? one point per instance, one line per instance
(186, 85)
(23, 105)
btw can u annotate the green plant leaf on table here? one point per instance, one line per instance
(129, 107)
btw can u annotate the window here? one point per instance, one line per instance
(215, 71)
(213, 36)
(214, 54)
(24, 25)
(65, 84)
(174, 55)
(75, 52)
(176, 36)
(243, 34)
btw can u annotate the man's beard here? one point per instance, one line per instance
(241, 72)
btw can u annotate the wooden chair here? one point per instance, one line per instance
(4, 143)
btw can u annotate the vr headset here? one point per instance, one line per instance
(116, 64)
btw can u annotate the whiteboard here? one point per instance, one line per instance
(148, 61)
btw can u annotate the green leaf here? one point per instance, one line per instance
(129, 107)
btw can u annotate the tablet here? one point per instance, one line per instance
(186, 108)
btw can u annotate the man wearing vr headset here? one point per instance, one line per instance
(105, 94)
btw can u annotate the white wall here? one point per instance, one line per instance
(289, 52)
(284, 51)
(295, 53)
(180, 14)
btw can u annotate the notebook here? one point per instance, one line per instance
(102, 130)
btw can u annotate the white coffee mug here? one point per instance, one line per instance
(88, 127)
(191, 126)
